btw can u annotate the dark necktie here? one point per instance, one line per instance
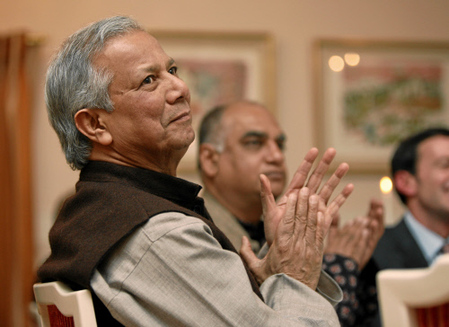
(444, 248)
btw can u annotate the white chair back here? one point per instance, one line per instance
(415, 297)
(60, 306)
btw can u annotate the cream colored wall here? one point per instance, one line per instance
(295, 24)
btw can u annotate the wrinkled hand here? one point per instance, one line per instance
(300, 222)
(358, 238)
(273, 214)
(350, 240)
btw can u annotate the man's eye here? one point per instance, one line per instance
(253, 143)
(173, 70)
(148, 80)
(281, 145)
(444, 163)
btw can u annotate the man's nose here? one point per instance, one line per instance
(177, 89)
(275, 153)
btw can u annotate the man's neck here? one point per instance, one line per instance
(248, 215)
(436, 223)
(248, 211)
(166, 167)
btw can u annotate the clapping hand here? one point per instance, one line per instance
(298, 223)
(358, 238)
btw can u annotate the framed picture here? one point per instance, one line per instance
(372, 94)
(220, 68)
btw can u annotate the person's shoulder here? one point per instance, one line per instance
(104, 202)
(119, 197)
(394, 231)
(110, 189)
(174, 222)
(390, 237)
(395, 247)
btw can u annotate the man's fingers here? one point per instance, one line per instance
(312, 219)
(376, 213)
(359, 224)
(317, 176)
(300, 176)
(360, 247)
(336, 204)
(323, 229)
(375, 208)
(301, 213)
(329, 187)
(249, 257)
(288, 223)
(266, 196)
(335, 221)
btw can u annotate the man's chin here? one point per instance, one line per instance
(185, 142)
(277, 187)
(188, 136)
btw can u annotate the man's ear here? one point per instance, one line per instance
(209, 157)
(90, 122)
(405, 183)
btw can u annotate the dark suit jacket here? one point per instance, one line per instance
(398, 249)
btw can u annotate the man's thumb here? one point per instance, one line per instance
(247, 254)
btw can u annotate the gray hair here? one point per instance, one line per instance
(73, 83)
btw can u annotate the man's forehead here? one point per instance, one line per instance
(433, 142)
(133, 55)
(131, 45)
(263, 134)
(252, 126)
(241, 126)
(254, 133)
(431, 147)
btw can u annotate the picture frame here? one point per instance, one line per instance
(397, 88)
(219, 68)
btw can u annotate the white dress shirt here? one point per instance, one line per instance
(429, 241)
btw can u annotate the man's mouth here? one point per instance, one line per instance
(275, 175)
(184, 116)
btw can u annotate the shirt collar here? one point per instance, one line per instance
(429, 241)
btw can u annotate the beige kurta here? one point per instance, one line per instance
(227, 223)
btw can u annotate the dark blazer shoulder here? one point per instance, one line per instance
(398, 249)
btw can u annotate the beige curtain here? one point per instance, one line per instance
(16, 241)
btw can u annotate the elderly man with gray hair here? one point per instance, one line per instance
(139, 237)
